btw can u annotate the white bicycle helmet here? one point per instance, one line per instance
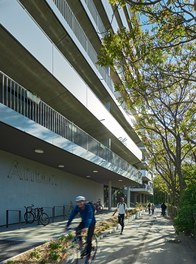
(80, 198)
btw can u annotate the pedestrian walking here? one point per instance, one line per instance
(122, 210)
(152, 208)
(149, 208)
(163, 209)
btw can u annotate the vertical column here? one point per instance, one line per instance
(135, 198)
(128, 196)
(144, 198)
(140, 197)
(109, 195)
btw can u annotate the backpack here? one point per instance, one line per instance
(92, 206)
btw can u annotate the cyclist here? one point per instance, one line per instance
(86, 211)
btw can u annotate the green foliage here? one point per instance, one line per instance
(55, 245)
(61, 239)
(35, 254)
(53, 255)
(70, 236)
(156, 59)
(43, 261)
(185, 220)
(189, 170)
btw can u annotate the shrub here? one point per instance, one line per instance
(185, 221)
(54, 245)
(53, 255)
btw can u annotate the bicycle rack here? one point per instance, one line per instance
(7, 216)
(54, 212)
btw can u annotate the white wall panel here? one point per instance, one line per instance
(25, 182)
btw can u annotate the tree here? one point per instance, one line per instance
(157, 81)
(171, 22)
(160, 190)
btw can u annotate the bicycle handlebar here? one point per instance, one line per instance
(30, 206)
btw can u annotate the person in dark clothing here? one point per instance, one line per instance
(163, 209)
(86, 211)
(149, 207)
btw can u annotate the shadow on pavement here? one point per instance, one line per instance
(9, 249)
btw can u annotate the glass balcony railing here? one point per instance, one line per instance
(24, 102)
(72, 21)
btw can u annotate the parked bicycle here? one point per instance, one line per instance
(36, 214)
(77, 249)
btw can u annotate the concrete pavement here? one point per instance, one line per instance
(148, 240)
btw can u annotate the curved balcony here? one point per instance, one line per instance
(145, 188)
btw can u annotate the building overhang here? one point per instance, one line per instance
(142, 191)
(22, 137)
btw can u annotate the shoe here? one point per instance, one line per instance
(121, 233)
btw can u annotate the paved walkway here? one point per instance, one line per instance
(148, 240)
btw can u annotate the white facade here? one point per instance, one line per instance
(54, 95)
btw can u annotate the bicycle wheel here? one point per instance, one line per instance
(93, 251)
(29, 217)
(73, 254)
(94, 248)
(44, 219)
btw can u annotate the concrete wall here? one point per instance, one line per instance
(24, 182)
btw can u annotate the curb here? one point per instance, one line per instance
(103, 235)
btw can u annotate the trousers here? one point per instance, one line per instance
(90, 234)
(121, 218)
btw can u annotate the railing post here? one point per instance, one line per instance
(7, 220)
(19, 216)
(53, 213)
(64, 211)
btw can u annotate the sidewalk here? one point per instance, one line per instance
(148, 240)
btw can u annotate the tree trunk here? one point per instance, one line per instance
(179, 163)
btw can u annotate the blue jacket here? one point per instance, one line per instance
(87, 215)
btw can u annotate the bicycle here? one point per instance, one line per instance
(36, 214)
(76, 252)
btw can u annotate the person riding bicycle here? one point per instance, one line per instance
(86, 211)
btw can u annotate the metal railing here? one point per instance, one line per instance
(72, 21)
(16, 97)
(144, 186)
(96, 17)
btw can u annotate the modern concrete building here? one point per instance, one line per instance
(62, 130)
